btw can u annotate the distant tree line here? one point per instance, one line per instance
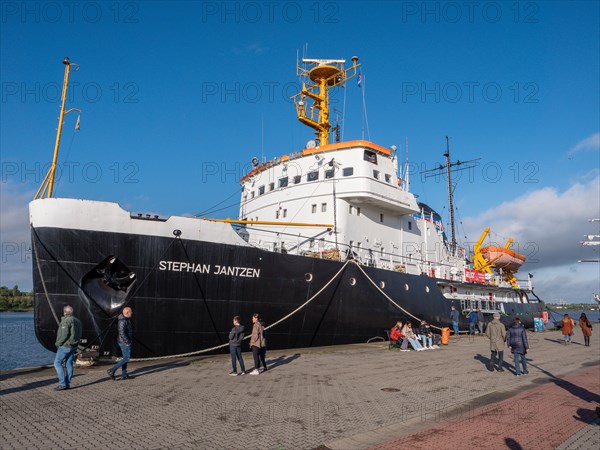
(12, 299)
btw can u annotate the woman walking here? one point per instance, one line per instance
(586, 328)
(567, 328)
(256, 339)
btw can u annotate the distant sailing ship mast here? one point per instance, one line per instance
(322, 75)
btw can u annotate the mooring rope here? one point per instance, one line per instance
(216, 347)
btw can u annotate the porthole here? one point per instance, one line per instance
(308, 277)
(426, 288)
(405, 287)
(352, 281)
(382, 284)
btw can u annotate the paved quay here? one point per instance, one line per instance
(345, 397)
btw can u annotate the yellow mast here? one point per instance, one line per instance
(324, 74)
(47, 186)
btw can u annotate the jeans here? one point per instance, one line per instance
(481, 326)
(415, 344)
(64, 355)
(497, 355)
(455, 326)
(520, 356)
(567, 337)
(586, 340)
(472, 328)
(427, 341)
(126, 352)
(256, 356)
(236, 354)
(263, 355)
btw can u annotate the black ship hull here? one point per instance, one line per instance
(184, 293)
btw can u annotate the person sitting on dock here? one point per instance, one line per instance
(398, 338)
(408, 332)
(426, 335)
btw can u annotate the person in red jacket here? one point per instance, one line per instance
(396, 335)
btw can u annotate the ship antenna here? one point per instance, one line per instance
(47, 186)
(262, 139)
(449, 168)
(406, 180)
(450, 197)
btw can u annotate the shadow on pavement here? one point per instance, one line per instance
(561, 341)
(282, 360)
(512, 444)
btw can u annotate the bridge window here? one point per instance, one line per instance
(261, 190)
(329, 173)
(348, 171)
(297, 179)
(252, 194)
(370, 156)
(283, 182)
(388, 178)
(351, 210)
(323, 207)
(271, 186)
(312, 176)
(285, 213)
(376, 174)
(313, 208)
(409, 225)
(381, 217)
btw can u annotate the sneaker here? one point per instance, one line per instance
(61, 388)
(490, 367)
(436, 346)
(255, 372)
(233, 374)
(517, 374)
(420, 349)
(500, 369)
(126, 377)
(111, 374)
(243, 372)
(407, 350)
(525, 373)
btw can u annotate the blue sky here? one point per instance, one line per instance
(174, 93)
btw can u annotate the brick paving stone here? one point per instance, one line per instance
(322, 396)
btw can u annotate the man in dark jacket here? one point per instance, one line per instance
(516, 338)
(124, 340)
(67, 339)
(480, 321)
(454, 319)
(472, 322)
(236, 335)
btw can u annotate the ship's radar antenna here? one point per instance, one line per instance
(318, 76)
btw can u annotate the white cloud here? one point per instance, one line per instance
(15, 266)
(547, 226)
(589, 143)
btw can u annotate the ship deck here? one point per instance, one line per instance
(344, 397)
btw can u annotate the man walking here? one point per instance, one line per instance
(454, 319)
(236, 336)
(496, 333)
(480, 321)
(124, 340)
(472, 322)
(517, 341)
(67, 339)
